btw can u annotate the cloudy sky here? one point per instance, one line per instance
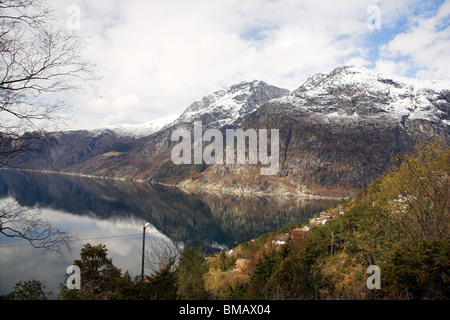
(156, 57)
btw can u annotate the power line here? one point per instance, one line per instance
(108, 237)
(86, 239)
(140, 234)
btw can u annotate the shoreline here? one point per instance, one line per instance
(235, 192)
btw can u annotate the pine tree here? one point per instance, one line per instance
(191, 271)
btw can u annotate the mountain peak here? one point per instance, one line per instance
(252, 84)
(354, 91)
(351, 69)
(357, 74)
(230, 106)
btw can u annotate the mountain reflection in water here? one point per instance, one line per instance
(212, 221)
(113, 213)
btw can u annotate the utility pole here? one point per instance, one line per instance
(143, 249)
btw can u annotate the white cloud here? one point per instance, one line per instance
(156, 57)
(391, 67)
(424, 47)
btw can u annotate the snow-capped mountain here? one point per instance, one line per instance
(225, 107)
(231, 106)
(141, 130)
(352, 92)
(338, 132)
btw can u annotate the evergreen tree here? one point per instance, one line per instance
(164, 284)
(191, 271)
(99, 276)
(28, 290)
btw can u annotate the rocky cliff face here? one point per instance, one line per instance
(338, 132)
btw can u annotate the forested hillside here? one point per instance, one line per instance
(399, 223)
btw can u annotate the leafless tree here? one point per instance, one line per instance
(162, 254)
(17, 221)
(39, 61)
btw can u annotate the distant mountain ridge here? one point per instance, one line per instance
(227, 107)
(137, 151)
(231, 106)
(140, 130)
(337, 133)
(356, 91)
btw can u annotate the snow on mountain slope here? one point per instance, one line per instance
(141, 130)
(224, 107)
(230, 106)
(351, 92)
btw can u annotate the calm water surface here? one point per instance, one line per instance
(113, 213)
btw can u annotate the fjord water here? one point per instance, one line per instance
(109, 212)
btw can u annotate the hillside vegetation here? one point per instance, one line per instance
(400, 223)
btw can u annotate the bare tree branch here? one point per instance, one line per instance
(162, 254)
(17, 221)
(38, 62)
